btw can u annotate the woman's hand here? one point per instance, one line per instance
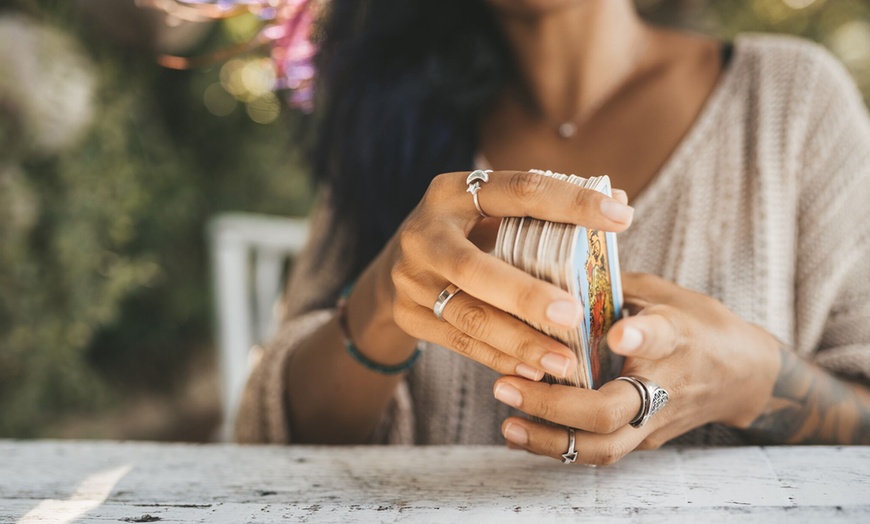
(442, 242)
(715, 367)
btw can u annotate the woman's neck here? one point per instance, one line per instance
(571, 59)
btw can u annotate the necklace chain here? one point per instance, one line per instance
(566, 129)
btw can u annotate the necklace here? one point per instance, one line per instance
(568, 128)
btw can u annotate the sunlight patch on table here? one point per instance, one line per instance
(92, 492)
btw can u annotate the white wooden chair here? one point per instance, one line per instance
(249, 254)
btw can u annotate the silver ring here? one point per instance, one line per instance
(442, 300)
(652, 398)
(570, 456)
(474, 180)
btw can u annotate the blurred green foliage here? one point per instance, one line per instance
(104, 286)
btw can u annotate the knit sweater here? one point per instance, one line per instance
(764, 205)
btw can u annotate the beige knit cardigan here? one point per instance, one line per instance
(765, 205)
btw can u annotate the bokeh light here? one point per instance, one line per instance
(800, 4)
(264, 109)
(851, 42)
(251, 80)
(218, 101)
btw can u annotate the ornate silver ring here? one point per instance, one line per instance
(442, 300)
(474, 181)
(652, 398)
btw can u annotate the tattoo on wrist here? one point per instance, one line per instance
(811, 406)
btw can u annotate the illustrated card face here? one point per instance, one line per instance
(602, 308)
(605, 297)
(579, 286)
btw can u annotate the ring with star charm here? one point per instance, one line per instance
(474, 181)
(570, 456)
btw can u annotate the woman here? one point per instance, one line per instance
(748, 169)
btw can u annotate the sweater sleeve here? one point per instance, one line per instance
(313, 287)
(832, 282)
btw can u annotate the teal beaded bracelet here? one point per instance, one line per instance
(354, 351)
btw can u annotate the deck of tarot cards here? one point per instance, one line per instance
(583, 262)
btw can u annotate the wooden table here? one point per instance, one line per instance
(83, 482)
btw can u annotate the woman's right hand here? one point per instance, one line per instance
(433, 248)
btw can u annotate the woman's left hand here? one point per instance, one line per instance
(715, 366)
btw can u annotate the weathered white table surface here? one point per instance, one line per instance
(82, 482)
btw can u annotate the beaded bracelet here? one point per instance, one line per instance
(354, 351)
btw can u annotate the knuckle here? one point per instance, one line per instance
(473, 320)
(611, 454)
(524, 185)
(543, 409)
(486, 356)
(400, 275)
(438, 185)
(608, 418)
(526, 349)
(584, 198)
(494, 360)
(459, 341)
(539, 406)
(528, 294)
(409, 239)
(442, 187)
(651, 442)
(668, 326)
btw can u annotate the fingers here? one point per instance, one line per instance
(605, 410)
(492, 326)
(613, 437)
(504, 286)
(600, 418)
(449, 253)
(508, 334)
(420, 322)
(552, 441)
(653, 334)
(520, 193)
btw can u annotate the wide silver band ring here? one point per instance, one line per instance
(442, 300)
(474, 181)
(652, 398)
(570, 456)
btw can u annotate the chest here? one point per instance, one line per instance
(630, 138)
(722, 224)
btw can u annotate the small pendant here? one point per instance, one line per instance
(567, 130)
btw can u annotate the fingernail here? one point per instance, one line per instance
(529, 372)
(616, 211)
(508, 394)
(556, 364)
(632, 338)
(516, 434)
(564, 312)
(620, 195)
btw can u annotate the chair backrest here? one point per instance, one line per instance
(248, 255)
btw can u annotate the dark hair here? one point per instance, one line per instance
(400, 88)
